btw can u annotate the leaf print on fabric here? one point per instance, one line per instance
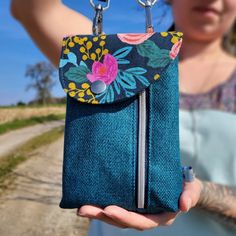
(71, 59)
(110, 94)
(157, 57)
(123, 61)
(121, 53)
(116, 87)
(77, 74)
(134, 38)
(127, 79)
(105, 71)
(137, 73)
(136, 70)
(107, 96)
(82, 63)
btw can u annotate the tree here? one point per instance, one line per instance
(41, 75)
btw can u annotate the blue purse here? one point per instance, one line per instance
(121, 143)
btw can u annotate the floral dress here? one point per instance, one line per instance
(207, 140)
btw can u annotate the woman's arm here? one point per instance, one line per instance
(47, 22)
(218, 199)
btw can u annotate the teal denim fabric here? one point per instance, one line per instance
(100, 150)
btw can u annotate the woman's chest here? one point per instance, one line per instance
(208, 143)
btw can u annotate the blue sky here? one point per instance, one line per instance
(18, 50)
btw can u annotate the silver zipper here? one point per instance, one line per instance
(141, 149)
(142, 117)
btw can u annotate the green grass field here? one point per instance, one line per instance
(17, 124)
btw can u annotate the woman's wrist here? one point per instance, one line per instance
(218, 199)
(200, 182)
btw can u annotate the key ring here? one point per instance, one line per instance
(147, 2)
(103, 8)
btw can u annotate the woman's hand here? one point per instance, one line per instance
(122, 218)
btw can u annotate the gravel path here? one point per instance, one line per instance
(13, 139)
(30, 206)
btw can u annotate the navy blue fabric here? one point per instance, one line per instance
(138, 64)
(100, 150)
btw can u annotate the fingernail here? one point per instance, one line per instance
(81, 214)
(179, 212)
(189, 203)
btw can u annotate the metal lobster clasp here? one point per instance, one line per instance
(98, 18)
(148, 5)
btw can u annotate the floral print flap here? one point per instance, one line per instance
(110, 68)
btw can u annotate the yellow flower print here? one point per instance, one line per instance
(176, 36)
(84, 94)
(71, 86)
(95, 39)
(86, 46)
(156, 76)
(164, 34)
(67, 43)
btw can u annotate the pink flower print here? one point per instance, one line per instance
(134, 38)
(175, 49)
(106, 71)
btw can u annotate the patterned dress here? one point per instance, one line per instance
(208, 143)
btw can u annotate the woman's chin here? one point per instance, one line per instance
(203, 32)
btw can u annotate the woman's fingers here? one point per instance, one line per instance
(164, 219)
(94, 212)
(123, 218)
(136, 220)
(190, 194)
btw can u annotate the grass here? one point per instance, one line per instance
(9, 162)
(17, 124)
(35, 105)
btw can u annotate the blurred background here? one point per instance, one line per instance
(32, 112)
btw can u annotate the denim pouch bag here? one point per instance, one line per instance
(121, 142)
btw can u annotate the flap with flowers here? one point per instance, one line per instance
(110, 68)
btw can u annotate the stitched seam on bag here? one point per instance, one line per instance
(133, 157)
(149, 145)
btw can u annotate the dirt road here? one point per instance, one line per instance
(30, 206)
(14, 139)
